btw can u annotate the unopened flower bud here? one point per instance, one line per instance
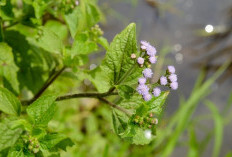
(133, 56)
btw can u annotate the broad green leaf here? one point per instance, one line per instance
(8, 69)
(82, 45)
(32, 61)
(82, 17)
(58, 28)
(75, 20)
(8, 135)
(125, 91)
(9, 103)
(118, 67)
(93, 15)
(49, 41)
(42, 110)
(99, 79)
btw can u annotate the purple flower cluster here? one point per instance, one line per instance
(149, 57)
(169, 79)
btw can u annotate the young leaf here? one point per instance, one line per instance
(42, 110)
(9, 103)
(8, 69)
(8, 136)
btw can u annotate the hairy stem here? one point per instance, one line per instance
(47, 84)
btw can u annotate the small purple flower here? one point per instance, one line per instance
(151, 51)
(147, 97)
(156, 92)
(173, 78)
(140, 60)
(77, 3)
(153, 60)
(147, 73)
(174, 85)
(144, 43)
(163, 80)
(142, 80)
(142, 89)
(171, 69)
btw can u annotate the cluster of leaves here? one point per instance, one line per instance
(40, 37)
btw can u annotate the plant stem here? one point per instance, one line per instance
(115, 106)
(47, 84)
(98, 96)
(85, 95)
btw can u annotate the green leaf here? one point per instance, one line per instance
(34, 62)
(125, 91)
(82, 17)
(103, 41)
(8, 135)
(58, 28)
(118, 67)
(93, 15)
(49, 41)
(42, 110)
(118, 63)
(82, 45)
(218, 128)
(8, 69)
(99, 79)
(75, 20)
(156, 103)
(55, 141)
(15, 153)
(133, 103)
(137, 135)
(6, 11)
(9, 103)
(119, 121)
